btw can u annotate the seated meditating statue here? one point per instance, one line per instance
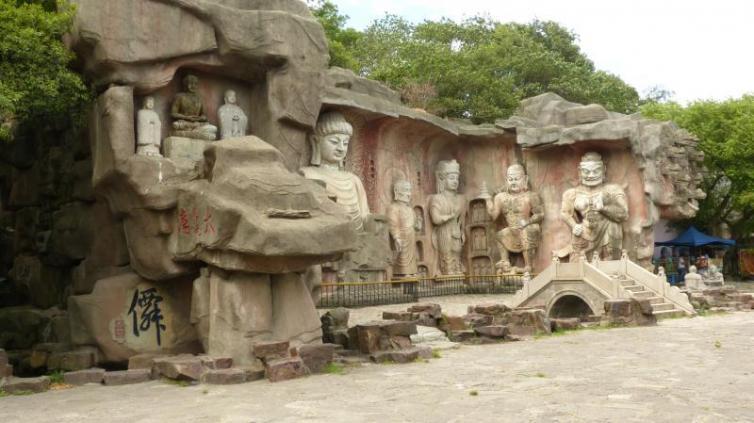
(329, 147)
(189, 120)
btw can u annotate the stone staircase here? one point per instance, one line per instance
(660, 307)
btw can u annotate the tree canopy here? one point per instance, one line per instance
(726, 133)
(36, 85)
(478, 69)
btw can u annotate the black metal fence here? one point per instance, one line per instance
(361, 294)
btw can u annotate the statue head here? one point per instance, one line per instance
(230, 97)
(447, 175)
(592, 169)
(149, 102)
(713, 269)
(692, 269)
(517, 179)
(402, 191)
(330, 140)
(190, 83)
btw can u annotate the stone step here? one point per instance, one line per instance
(634, 288)
(662, 307)
(656, 300)
(668, 314)
(643, 294)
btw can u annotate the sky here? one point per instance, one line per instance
(698, 49)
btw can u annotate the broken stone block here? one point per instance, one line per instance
(254, 373)
(316, 357)
(461, 335)
(491, 309)
(216, 363)
(38, 359)
(335, 326)
(562, 324)
(127, 377)
(493, 331)
(15, 385)
(397, 315)
(285, 369)
(143, 361)
(453, 323)
(267, 351)
(79, 359)
(528, 322)
(475, 319)
(82, 377)
(180, 367)
(401, 356)
(224, 376)
(629, 312)
(433, 310)
(399, 328)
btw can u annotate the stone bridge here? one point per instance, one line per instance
(581, 288)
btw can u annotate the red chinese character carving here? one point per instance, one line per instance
(184, 226)
(209, 227)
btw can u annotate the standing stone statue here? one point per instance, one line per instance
(403, 228)
(595, 211)
(446, 210)
(233, 120)
(693, 280)
(329, 147)
(523, 213)
(148, 130)
(189, 120)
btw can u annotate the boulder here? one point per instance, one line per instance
(127, 315)
(629, 312)
(127, 377)
(491, 309)
(381, 335)
(528, 322)
(79, 359)
(15, 385)
(22, 327)
(82, 377)
(317, 357)
(562, 324)
(44, 284)
(397, 315)
(335, 326)
(475, 319)
(224, 376)
(461, 335)
(449, 323)
(185, 367)
(433, 310)
(282, 369)
(494, 331)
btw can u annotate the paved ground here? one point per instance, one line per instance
(690, 370)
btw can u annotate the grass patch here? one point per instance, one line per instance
(718, 344)
(17, 393)
(436, 354)
(335, 369)
(56, 377)
(473, 393)
(3, 393)
(540, 374)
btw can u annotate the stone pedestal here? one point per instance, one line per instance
(181, 149)
(233, 311)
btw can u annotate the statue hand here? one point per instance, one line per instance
(598, 202)
(578, 230)
(398, 247)
(523, 223)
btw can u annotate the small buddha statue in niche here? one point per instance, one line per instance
(329, 144)
(148, 130)
(233, 121)
(189, 120)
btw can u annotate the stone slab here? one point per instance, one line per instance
(492, 331)
(180, 367)
(127, 377)
(285, 369)
(271, 350)
(317, 357)
(82, 377)
(224, 376)
(15, 385)
(184, 149)
(401, 356)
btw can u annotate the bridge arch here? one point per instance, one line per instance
(570, 304)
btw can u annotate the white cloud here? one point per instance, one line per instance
(699, 49)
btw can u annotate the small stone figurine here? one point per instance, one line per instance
(233, 121)
(148, 130)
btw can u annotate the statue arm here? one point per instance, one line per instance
(494, 206)
(617, 208)
(537, 209)
(362, 193)
(436, 213)
(566, 209)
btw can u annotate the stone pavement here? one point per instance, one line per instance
(692, 370)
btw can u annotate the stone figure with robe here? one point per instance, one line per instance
(329, 147)
(189, 120)
(595, 211)
(446, 210)
(523, 212)
(233, 121)
(148, 130)
(403, 228)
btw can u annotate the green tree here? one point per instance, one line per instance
(37, 87)
(726, 133)
(481, 69)
(341, 40)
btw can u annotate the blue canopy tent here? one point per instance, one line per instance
(695, 238)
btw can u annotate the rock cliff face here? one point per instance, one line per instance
(216, 245)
